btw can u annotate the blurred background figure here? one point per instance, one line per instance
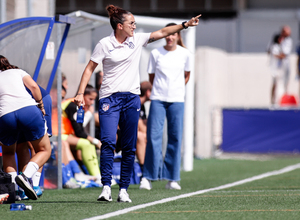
(280, 49)
(99, 79)
(275, 53)
(286, 47)
(146, 88)
(79, 141)
(298, 65)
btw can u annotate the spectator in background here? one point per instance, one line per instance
(75, 135)
(169, 71)
(282, 54)
(99, 79)
(141, 143)
(275, 53)
(63, 92)
(64, 82)
(298, 65)
(286, 47)
(72, 175)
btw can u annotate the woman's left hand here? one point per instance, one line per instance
(194, 21)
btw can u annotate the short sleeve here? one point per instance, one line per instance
(98, 54)
(286, 46)
(188, 65)
(23, 73)
(143, 38)
(151, 64)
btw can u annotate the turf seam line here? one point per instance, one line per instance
(240, 182)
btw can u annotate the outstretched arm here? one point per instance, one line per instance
(166, 31)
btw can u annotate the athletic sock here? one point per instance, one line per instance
(36, 179)
(66, 173)
(74, 167)
(31, 169)
(13, 176)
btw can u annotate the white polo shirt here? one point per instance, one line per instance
(169, 68)
(120, 63)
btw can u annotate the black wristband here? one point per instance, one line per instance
(40, 106)
(184, 27)
(39, 100)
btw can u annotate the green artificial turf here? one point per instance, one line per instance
(275, 197)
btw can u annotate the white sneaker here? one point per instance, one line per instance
(83, 177)
(145, 184)
(173, 185)
(105, 195)
(98, 181)
(113, 182)
(71, 184)
(123, 196)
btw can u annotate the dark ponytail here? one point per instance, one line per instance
(5, 65)
(116, 15)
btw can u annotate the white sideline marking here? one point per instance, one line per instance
(240, 182)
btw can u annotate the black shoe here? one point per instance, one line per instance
(26, 184)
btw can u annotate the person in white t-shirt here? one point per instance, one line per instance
(119, 101)
(275, 52)
(286, 47)
(169, 71)
(21, 114)
(280, 63)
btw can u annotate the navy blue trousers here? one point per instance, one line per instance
(118, 109)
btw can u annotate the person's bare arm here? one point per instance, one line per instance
(166, 31)
(94, 141)
(89, 69)
(187, 76)
(151, 78)
(142, 125)
(35, 91)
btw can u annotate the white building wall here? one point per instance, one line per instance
(249, 32)
(230, 80)
(38, 8)
(20, 9)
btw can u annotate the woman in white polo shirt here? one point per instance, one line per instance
(119, 94)
(169, 71)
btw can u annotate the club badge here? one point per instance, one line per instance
(105, 107)
(131, 45)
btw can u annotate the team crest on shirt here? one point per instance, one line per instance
(131, 45)
(105, 107)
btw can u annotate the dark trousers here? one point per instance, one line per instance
(118, 109)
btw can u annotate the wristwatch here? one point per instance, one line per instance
(184, 27)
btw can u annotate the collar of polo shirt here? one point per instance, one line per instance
(116, 43)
